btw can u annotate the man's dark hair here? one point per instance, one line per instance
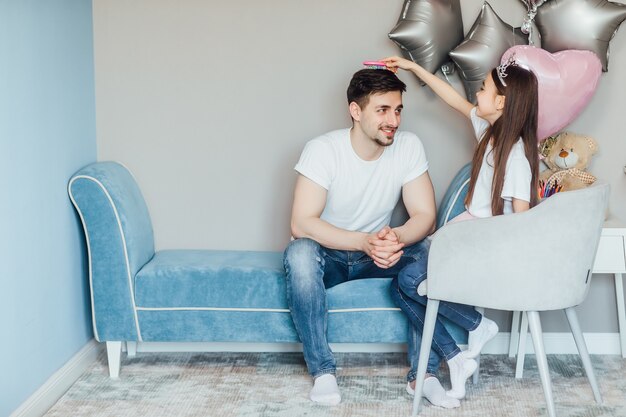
(366, 82)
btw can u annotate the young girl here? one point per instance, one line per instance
(505, 168)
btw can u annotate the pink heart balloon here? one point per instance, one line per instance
(567, 81)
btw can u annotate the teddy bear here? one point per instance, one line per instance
(567, 155)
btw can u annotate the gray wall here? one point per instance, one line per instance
(210, 103)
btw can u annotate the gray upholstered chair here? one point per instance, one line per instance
(507, 263)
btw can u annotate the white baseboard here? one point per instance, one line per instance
(54, 388)
(563, 343)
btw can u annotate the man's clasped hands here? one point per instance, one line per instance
(384, 247)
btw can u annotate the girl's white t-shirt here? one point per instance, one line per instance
(517, 177)
(361, 194)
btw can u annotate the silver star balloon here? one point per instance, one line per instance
(483, 47)
(427, 30)
(579, 24)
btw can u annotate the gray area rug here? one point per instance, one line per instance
(372, 384)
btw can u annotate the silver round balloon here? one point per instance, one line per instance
(427, 30)
(533, 3)
(527, 26)
(579, 24)
(483, 47)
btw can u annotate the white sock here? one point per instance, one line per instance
(478, 338)
(434, 392)
(325, 390)
(422, 288)
(461, 368)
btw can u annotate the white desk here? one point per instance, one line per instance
(611, 259)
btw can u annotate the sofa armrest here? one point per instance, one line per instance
(118, 235)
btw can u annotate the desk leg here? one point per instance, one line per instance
(514, 339)
(621, 314)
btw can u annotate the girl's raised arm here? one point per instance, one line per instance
(439, 86)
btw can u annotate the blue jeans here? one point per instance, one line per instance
(311, 269)
(404, 292)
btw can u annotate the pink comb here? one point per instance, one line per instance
(375, 65)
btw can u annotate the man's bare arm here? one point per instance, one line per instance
(308, 204)
(419, 200)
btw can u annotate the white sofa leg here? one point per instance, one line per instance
(131, 349)
(114, 355)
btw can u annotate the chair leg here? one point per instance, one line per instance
(572, 317)
(514, 340)
(432, 308)
(542, 363)
(114, 355)
(521, 348)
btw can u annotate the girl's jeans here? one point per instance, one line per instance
(311, 269)
(404, 293)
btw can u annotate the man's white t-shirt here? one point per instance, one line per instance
(361, 194)
(517, 176)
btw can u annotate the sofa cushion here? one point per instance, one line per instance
(237, 280)
(239, 296)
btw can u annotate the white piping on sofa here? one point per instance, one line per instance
(80, 214)
(263, 310)
(119, 224)
(356, 310)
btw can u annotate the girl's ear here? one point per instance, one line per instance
(500, 99)
(355, 111)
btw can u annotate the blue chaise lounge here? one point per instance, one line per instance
(142, 295)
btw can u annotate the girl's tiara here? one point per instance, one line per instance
(501, 69)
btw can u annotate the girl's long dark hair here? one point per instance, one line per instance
(519, 119)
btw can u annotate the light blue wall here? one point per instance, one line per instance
(47, 132)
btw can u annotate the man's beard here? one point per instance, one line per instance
(381, 143)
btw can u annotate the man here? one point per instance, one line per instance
(348, 185)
